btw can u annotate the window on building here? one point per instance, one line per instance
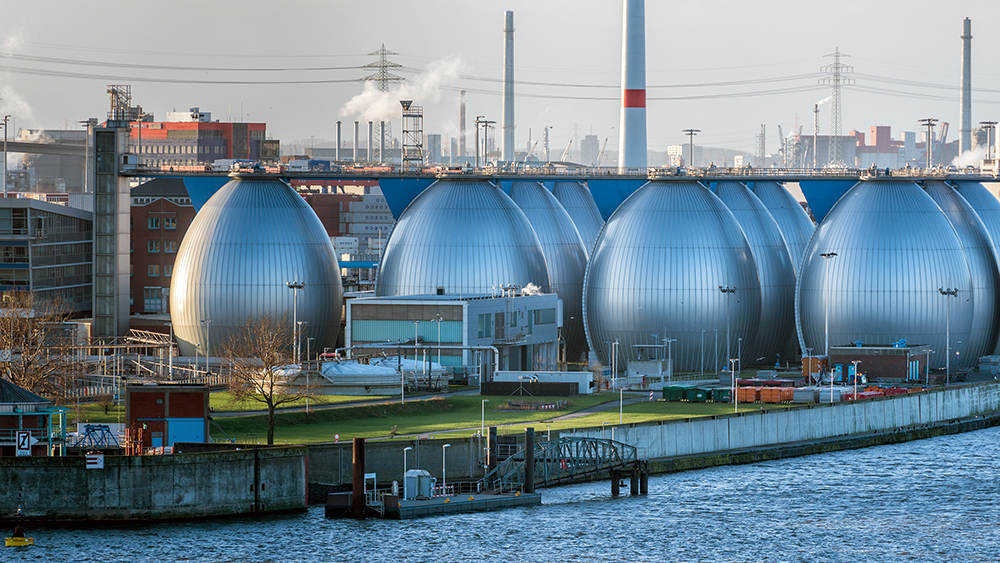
(170, 222)
(543, 316)
(170, 246)
(152, 222)
(154, 299)
(152, 246)
(513, 318)
(153, 270)
(168, 270)
(485, 329)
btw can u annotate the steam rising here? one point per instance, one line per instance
(374, 105)
(824, 100)
(972, 157)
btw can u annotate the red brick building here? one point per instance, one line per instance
(161, 213)
(191, 138)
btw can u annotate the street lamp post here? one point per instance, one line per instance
(826, 281)
(444, 481)
(855, 362)
(406, 449)
(482, 424)
(207, 323)
(670, 358)
(949, 292)
(416, 338)
(438, 318)
(728, 290)
(735, 385)
(295, 286)
(927, 366)
(739, 355)
(701, 359)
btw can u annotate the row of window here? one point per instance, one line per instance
(484, 328)
(154, 245)
(153, 270)
(178, 149)
(153, 222)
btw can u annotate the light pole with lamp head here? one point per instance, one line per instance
(444, 481)
(438, 318)
(855, 362)
(482, 424)
(406, 449)
(826, 323)
(295, 286)
(728, 290)
(949, 292)
(207, 323)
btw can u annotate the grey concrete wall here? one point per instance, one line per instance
(331, 463)
(186, 485)
(747, 430)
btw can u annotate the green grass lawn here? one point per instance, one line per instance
(455, 417)
(223, 401)
(419, 417)
(219, 401)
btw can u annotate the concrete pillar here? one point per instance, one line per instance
(358, 479)
(529, 460)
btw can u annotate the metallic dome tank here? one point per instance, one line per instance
(461, 236)
(895, 249)
(252, 237)
(565, 254)
(656, 272)
(793, 221)
(981, 258)
(579, 203)
(987, 207)
(774, 269)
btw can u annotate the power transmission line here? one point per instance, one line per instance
(84, 62)
(766, 80)
(116, 78)
(791, 90)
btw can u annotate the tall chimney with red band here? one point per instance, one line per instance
(632, 130)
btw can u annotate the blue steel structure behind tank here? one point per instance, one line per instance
(821, 195)
(895, 249)
(608, 194)
(656, 272)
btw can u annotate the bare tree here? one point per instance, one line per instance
(33, 344)
(259, 354)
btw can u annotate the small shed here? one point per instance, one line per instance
(168, 413)
(897, 362)
(23, 411)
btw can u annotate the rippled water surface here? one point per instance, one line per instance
(927, 500)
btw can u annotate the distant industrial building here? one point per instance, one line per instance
(434, 155)
(590, 147)
(524, 328)
(161, 212)
(47, 249)
(192, 138)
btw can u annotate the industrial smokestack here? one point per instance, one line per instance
(357, 139)
(461, 124)
(371, 142)
(337, 151)
(508, 88)
(381, 141)
(965, 138)
(632, 129)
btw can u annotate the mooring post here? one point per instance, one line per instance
(358, 473)
(529, 460)
(493, 449)
(633, 484)
(615, 484)
(644, 480)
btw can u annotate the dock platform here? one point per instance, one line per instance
(400, 509)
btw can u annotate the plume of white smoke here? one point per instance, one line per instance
(825, 100)
(373, 104)
(972, 157)
(531, 289)
(14, 42)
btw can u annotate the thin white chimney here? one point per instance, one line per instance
(508, 88)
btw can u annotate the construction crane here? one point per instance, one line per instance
(565, 153)
(597, 163)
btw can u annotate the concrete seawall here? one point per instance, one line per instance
(189, 485)
(704, 442)
(817, 422)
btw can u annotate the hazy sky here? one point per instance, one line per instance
(557, 41)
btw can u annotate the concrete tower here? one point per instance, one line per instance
(632, 124)
(461, 124)
(965, 138)
(508, 88)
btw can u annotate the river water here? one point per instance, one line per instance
(931, 499)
